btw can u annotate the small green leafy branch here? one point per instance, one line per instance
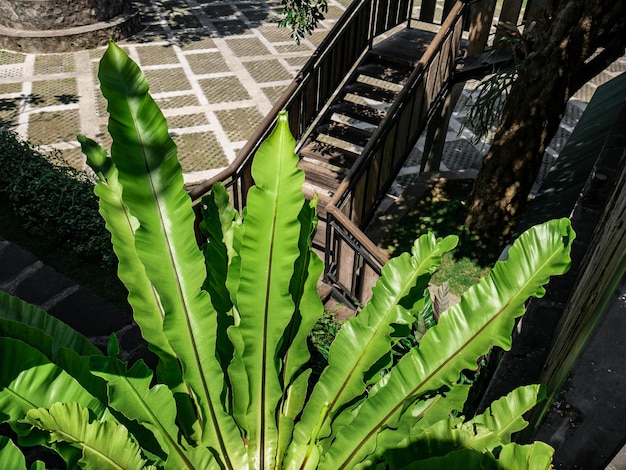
(229, 325)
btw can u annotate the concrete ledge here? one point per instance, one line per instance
(71, 39)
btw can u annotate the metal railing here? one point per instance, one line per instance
(352, 261)
(308, 93)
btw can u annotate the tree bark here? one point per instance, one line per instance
(537, 101)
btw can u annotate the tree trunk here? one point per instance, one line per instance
(535, 106)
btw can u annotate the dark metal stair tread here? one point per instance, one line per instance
(327, 153)
(405, 47)
(346, 133)
(358, 111)
(388, 72)
(371, 92)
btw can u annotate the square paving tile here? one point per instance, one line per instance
(618, 66)
(54, 92)
(275, 34)
(177, 101)
(239, 123)
(103, 138)
(199, 151)
(186, 120)
(74, 157)
(10, 112)
(274, 92)
(267, 71)
(293, 47)
(54, 63)
(183, 21)
(156, 55)
(297, 61)
(207, 62)
(247, 47)
(223, 89)
(10, 88)
(173, 79)
(7, 58)
(194, 40)
(230, 28)
(258, 17)
(216, 12)
(53, 127)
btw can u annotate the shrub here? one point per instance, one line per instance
(52, 200)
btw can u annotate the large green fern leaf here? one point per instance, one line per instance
(366, 339)
(484, 318)
(268, 252)
(152, 182)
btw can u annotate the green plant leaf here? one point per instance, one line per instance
(535, 456)
(154, 407)
(486, 433)
(356, 353)
(29, 380)
(219, 219)
(393, 443)
(42, 331)
(462, 458)
(308, 309)
(142, 296)
(268, 252)
(151, 177)
(505, 416)
(10, 455)
(484, 317)
(104, 444)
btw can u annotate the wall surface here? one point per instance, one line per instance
(56, 14)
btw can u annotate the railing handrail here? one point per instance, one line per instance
(267, 124)
(383, 128)
(342, 228)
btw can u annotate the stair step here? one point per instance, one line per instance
(378, 106)
(340, 144)
(327, 177)
(378, 83)
(405, 47)
(330, 154)
(376, 67)
(371, 92)
(345, 132)
(364, 113)
(354, 122)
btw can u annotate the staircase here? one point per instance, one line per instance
(357, 109)
(344, 129)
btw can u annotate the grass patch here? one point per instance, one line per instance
(441, 210)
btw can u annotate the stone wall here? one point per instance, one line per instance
(56, 14)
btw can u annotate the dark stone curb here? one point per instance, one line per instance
(71, 39)
(23, 275)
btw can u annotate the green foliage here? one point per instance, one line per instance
(302, 16)
(52, 200)
(229, 324)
